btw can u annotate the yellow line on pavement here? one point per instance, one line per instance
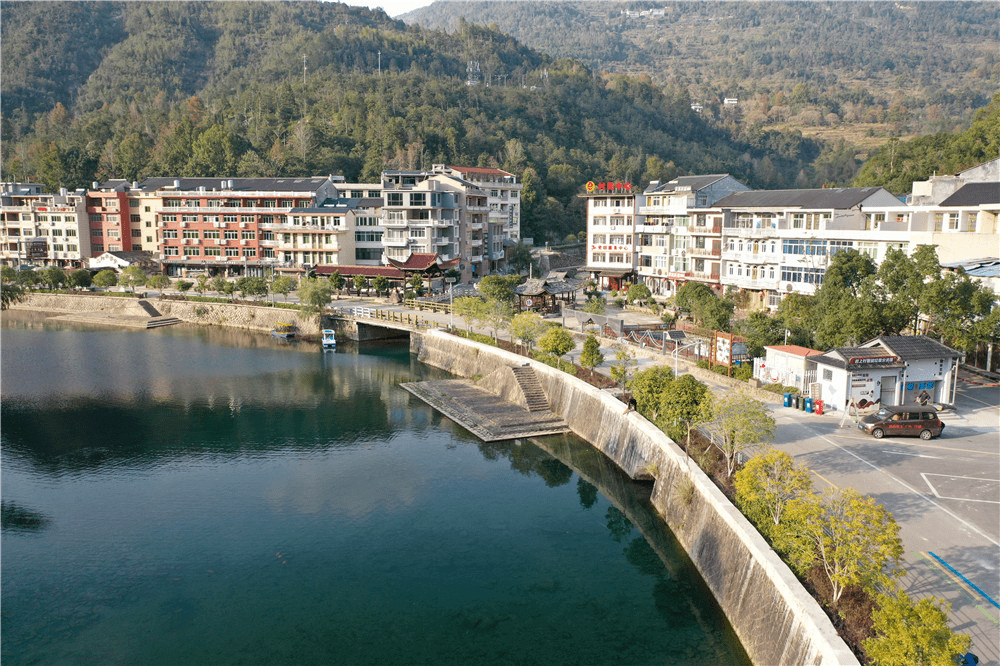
(828, 481)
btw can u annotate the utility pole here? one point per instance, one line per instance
(380, 63)
(303, 69)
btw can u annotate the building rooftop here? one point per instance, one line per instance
(912, 347)
(303, 185)
(795, 350)
(837, 197)
(974, 194)
(686, 183)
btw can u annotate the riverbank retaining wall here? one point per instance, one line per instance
(776, 620)
(260, 318)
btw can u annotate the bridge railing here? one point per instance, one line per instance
(405, 318)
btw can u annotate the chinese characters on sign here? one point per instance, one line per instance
(620, 248)
(609, 187)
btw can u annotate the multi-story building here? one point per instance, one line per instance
(679, 233)
(236, 226)
(43, 229)
(504, 201)
(611, 233)
(777, 242)
(110, 220)
(429, 212)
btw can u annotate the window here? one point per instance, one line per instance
(268, 253)
(188, 233)
(167, 251)
(394, 199)
(149, 239)
(231, 234)
(827, 374)
(96, 217)
(600, 220)
(189, 218)
(71, 232)
(212, 234)
(230, 219)
(193, 251)
(366, 221)
(367, 254)
(213, 252)
(368, 236)
(57, 248)
(133, 218)
(169, 234)
(249, 235)
(168, 218)
(249, 252)
(287, 203)
(247, 219)
(802, 274)
(113, 233)
(71, 248)
(137, 233)
(146, 209)
(232, 251)
(418, 199)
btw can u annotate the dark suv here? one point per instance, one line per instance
(903, 420)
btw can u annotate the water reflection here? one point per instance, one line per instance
(15, 518)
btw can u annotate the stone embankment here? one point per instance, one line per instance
(125, 311)
(776, 620)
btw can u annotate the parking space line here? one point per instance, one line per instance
(913, 490)
(924, 476)
(828, 481)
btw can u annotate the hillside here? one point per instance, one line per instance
(900, 68)
(262, 89)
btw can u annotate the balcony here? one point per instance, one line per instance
(395, 242)
(750, 257)
(705, 252)
(756, 232)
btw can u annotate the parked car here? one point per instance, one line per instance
(903, 420)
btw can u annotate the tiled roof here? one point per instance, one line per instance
(797, 350)
(417, 261)
(974, 194)
(366, 271)
(835, 197)
(912, 347)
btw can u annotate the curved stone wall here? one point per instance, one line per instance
(776, 620)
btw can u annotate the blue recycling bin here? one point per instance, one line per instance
(788, 400)
(809, 405)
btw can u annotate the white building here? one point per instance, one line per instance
(679, 231)
(43, 229)
(611, 230)
(777, 242)
(890, 370)
(437, 213)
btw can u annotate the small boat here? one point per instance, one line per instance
(329, 339)
(283, 331)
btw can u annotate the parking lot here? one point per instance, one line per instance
(944, 493)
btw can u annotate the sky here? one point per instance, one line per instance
(392, 7)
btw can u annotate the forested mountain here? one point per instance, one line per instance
(131, 89)
(900, 68)
(898, 164)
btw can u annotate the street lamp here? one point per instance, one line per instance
(677, 350)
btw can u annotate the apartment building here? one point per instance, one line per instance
(679, 232)
(611, 233)
(238, 226)
(777, 242)
(504, 201)
(43, 229)
(437, 213)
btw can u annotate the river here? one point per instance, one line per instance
(195, 495)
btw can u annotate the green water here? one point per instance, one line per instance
(195, 496)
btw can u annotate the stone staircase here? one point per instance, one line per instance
(534, 396)
(156, 322)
